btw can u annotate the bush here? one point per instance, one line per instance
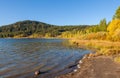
(92, 36)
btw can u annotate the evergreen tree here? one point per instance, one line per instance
(117, 14)
(103, 25)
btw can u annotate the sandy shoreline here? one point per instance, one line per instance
(96, 67)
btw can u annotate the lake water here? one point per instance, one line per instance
(20, 58)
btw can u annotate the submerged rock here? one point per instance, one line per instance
(37, 72)
(75, 70)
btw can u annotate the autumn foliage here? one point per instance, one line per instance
(113, 27)
(114, 30)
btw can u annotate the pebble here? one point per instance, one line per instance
(80, 61)
(78, 66)
(75, 70)
(84, 57)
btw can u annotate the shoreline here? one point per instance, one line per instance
(36, 38)
(95, 65)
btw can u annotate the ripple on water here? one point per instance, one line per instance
(22, 57)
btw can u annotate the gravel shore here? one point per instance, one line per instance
(96, 67)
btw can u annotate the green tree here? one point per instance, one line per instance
(103, 25)
(117, 14)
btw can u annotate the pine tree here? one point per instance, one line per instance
(103, 25)
(117, 14)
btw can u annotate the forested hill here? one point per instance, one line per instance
(35, 29)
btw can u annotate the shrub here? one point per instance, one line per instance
(92, 36)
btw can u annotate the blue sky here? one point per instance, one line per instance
(58, 12)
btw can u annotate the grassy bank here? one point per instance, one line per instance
(106, 48)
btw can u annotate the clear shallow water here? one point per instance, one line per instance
(22, 57)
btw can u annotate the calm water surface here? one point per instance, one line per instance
(20, 58)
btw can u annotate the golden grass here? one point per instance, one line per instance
(102, 47)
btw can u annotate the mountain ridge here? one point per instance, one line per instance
(29, 27)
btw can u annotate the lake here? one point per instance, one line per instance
(20, 58)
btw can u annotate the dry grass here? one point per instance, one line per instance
(107, 48)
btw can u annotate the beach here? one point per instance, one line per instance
(96, 67)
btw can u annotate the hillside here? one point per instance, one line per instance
(35, 29)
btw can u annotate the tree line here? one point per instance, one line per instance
(30, 28)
